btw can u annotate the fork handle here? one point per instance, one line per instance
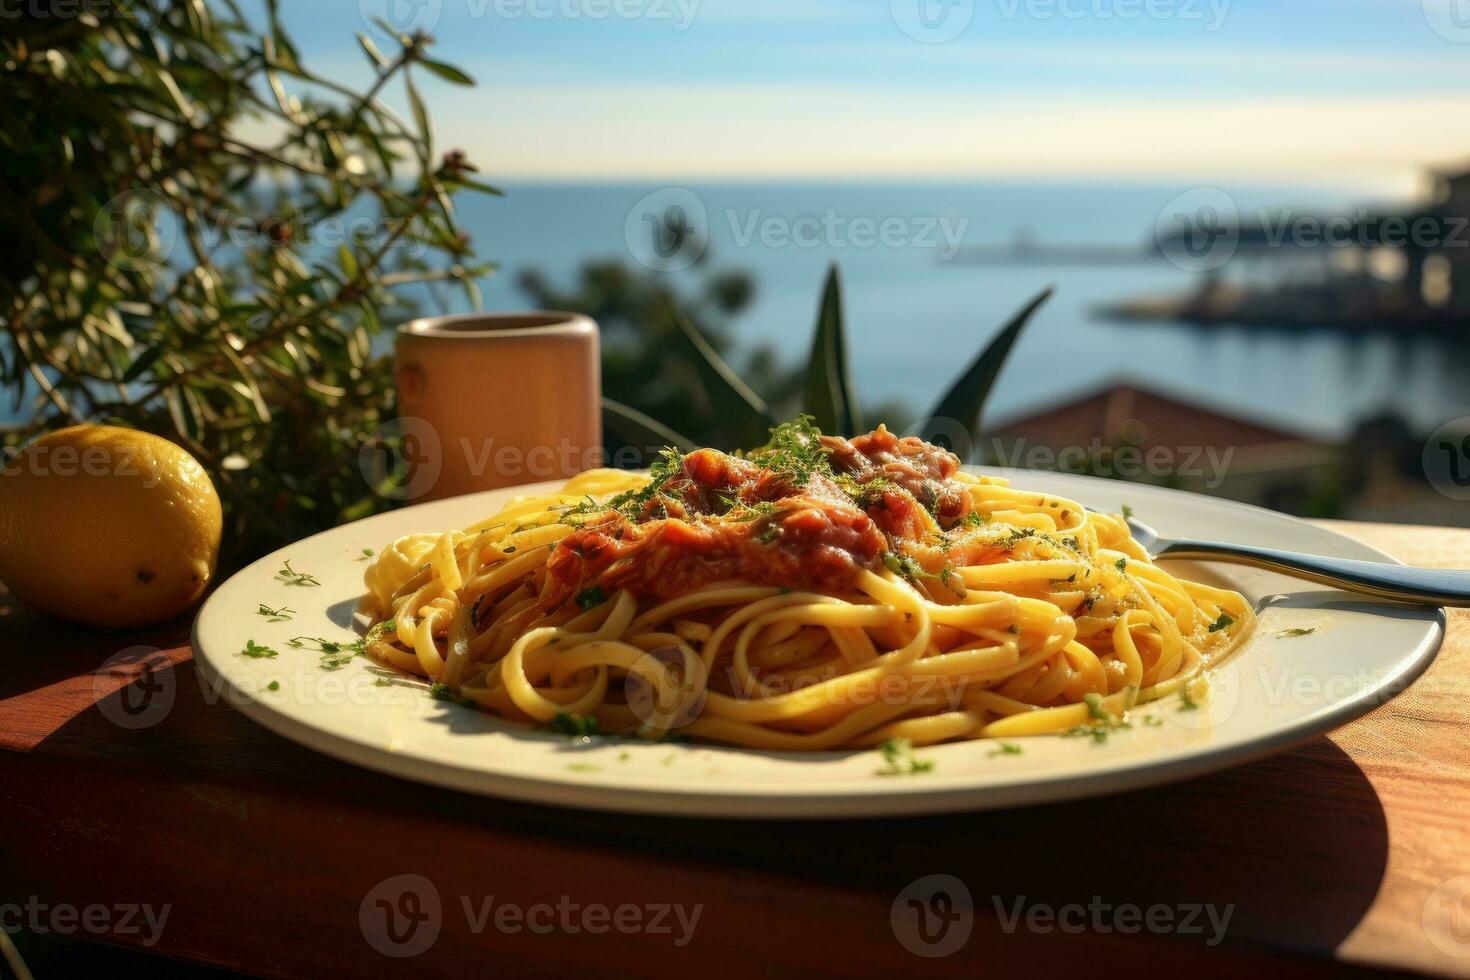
(1400, 583)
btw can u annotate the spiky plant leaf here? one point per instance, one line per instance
(743, 415)
(966, 399)
(640, 431)
(831, 399)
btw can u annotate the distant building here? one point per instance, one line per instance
(1393, 269)
(1452, 189)
(1130, 432)
(1447, 281)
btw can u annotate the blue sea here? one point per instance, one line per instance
(917, 312)
(916, 316)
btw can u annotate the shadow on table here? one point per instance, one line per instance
(28, 662)
(1299, 838)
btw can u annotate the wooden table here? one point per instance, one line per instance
(1334, 856)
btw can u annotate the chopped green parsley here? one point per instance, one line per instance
(905, 565)
(1187, 697)
(576, 726)
(441, 692)
(256, 651)
(899, 759)
(1018, 535)
(334, 654)
(281, 615)
(290, 576)
(795, 451)
(1103, 722)
(630, 503)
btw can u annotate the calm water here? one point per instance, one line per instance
(915, 319)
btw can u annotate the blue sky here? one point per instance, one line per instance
(1348, 92)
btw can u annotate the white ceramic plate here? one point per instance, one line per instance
(1278, 692)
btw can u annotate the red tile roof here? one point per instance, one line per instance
(1125, 413)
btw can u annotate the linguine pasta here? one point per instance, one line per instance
(817, 594)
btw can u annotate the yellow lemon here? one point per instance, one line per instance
(107, 526)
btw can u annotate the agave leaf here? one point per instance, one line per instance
(830, 398)
(639, 430)
(966, 399)
(743, 415)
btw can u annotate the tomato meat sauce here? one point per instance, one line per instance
(925, 471)
(718, 519)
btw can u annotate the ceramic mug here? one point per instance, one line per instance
(499, 399)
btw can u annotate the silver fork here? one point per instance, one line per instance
(1421, 586)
